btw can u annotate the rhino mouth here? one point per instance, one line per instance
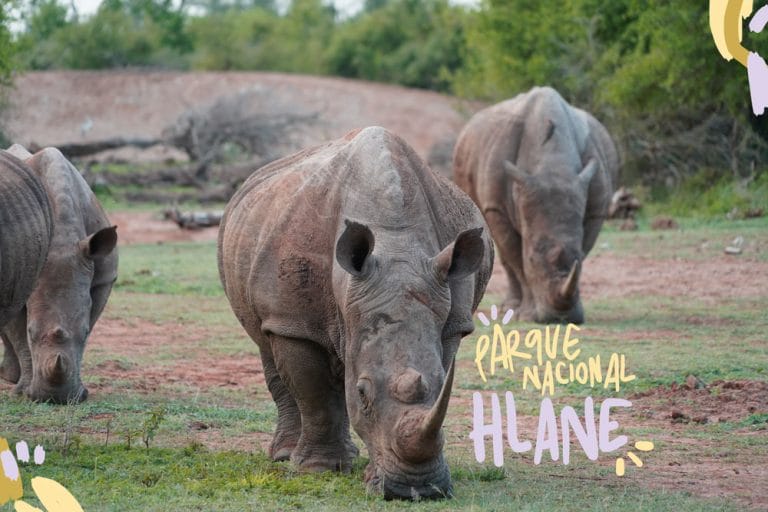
(56, 397)
(401, 484)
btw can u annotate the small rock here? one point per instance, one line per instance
(663, 222)
(628, 225)
(679, 417)
(693, 382)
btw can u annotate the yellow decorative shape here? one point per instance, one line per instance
(10, 489)
(619, 467)
(634, 458)
(644, 446)
(725, 23)
(23, 506)
(54, 496)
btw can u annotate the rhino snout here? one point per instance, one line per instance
(74, 395)
(59, 382)
(434, 485)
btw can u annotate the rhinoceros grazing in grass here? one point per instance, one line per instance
(45, 341)
(26, 228)
(542, 172)
(357, 270)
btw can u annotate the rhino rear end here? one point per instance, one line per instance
(26, 228)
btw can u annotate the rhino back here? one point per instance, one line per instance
(77, 213)
(276, 241)
(26, 228)
(538, 131)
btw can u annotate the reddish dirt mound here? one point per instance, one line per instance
(720, 401)
(49, 107)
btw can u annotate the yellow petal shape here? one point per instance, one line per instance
(644, 446)
(23, 506)
(54, 496)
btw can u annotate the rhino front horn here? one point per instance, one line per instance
(572, 281)
(58, 372)
(430, 426)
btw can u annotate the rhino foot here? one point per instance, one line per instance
(325, 459)
(282, 446)
(10, 370)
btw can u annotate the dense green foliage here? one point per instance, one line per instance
(647, 68)
(6, 46)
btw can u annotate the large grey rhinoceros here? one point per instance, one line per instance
(357, 270)
(26, 228)
(45, 341)
(542, 172)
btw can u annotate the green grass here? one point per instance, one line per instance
(205, 449)
(709, 195)
(175, 269)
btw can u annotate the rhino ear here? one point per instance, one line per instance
(354, 248)
(515, 173)
(586, 174)
(462, 257)
(99, 244)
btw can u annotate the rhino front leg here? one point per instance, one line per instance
(515, 293)
(10, 369)
(14, 336)
(288, 427)
(305, 369)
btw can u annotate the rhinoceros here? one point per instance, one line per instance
(46, 340)
(356, 270)
(26, 228)
(542, 172)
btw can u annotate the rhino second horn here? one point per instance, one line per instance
(433, 421)
(572, 281)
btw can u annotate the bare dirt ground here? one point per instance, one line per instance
(50, 108)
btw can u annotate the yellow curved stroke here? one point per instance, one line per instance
(725, 23)
(9, 489)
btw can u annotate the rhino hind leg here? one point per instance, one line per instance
(10, 369)
(305, 369)
(288, 427)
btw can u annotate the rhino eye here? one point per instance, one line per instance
(364, 393)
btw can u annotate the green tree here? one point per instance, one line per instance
(7, 48)
(410, 42)
(647, 68)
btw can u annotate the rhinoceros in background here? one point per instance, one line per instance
(26, 228)
(542, 172)
(47, 338)
(357, 270)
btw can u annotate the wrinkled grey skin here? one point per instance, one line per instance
(542, 172)
(357, 270)
(46, 340)
(26, 228)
